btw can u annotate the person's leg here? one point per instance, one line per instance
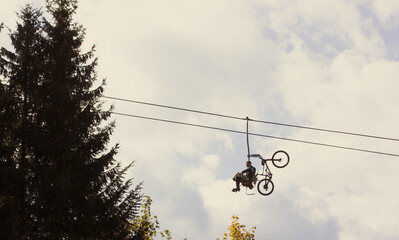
(237, 180)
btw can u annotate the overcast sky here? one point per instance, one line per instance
(320, 63)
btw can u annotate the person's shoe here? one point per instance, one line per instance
(251, 186)
(235, 190)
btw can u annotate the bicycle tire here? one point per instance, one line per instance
(265, 187)
(284, 159)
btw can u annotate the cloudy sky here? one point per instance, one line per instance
(319, 63)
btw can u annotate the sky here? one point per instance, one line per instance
(318, 63)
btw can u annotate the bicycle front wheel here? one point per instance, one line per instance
(265, 187)
(280, 159)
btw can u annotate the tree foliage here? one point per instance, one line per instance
(58, 178)
(146, 226)
(237, 231)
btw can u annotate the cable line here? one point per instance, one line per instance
(175, 108)
(255, 134)
(254, 120)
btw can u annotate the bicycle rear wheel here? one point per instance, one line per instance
(280, 159)
(265, 187)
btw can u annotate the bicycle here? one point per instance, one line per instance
(280, 159)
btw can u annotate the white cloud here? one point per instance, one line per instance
(318, 63)
(204, 174)
(387, 12)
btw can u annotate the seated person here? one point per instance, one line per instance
(245, 177)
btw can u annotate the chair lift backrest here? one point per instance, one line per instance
(254, 178)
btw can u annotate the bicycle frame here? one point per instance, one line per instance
(266, 170)
(265, 186)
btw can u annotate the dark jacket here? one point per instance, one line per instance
(250, 172)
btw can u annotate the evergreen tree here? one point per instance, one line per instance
(58, 178)
(20, 73)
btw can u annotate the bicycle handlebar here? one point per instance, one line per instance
(255, 155)
(259, 156)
